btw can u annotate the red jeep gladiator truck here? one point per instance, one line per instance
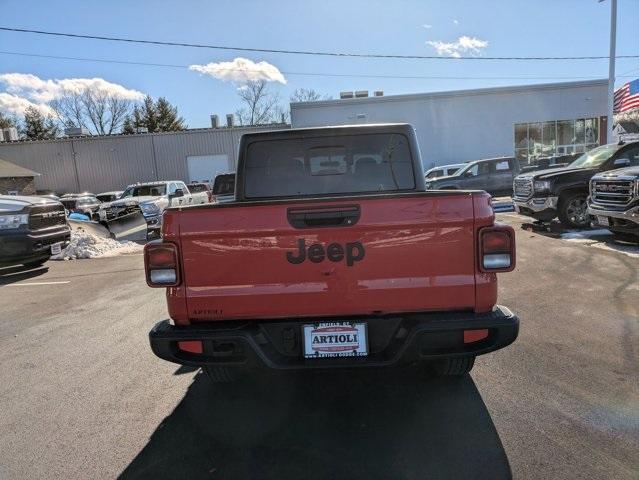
(333, 254)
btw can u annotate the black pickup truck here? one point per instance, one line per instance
(31, 230)
(563, 192)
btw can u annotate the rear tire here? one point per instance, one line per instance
(220, 374)
(455, 367)
(573, 210)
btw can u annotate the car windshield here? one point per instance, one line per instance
(595, 157)
(145, 191)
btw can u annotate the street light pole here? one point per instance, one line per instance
(611, 66)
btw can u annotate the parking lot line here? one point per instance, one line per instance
(34, 284)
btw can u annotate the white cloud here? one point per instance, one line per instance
(456, 22)
(38, 90)
(427, 26)
(464, 44)
(15, 105)
(241, 70)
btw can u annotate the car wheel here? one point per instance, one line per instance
(220, 374)
(626, 237)
(573, 211)
(454, 367)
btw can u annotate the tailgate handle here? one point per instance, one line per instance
(323, 217)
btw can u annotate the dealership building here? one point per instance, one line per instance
(457, 126)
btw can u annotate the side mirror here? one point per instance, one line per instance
(177, 194)
(468, 173)
(621, 162)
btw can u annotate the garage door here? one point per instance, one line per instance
(204, 168)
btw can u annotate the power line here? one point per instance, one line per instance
(312, 74)
(295, 52)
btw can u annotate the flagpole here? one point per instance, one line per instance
(611, 66)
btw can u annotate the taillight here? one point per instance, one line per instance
(161, 264)
(210, 195)
(213, 199)
(497, 249)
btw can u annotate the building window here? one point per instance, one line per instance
(556, 137)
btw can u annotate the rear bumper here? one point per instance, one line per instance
(393, 340)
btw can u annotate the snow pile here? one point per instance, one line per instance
(89, 245)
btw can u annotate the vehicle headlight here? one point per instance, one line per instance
(149, 209)
(8, 221)
(542, 185)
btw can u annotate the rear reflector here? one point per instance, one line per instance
(191, 346)
(471, 336)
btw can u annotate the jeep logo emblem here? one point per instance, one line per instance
(316, 253)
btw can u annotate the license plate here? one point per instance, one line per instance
(603, 221)
(342, 339)
(56, 249)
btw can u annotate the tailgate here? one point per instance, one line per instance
(326, 258)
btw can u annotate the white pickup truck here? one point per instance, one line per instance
(152, 198)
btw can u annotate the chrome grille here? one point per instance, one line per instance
(523, 188)
(612, 192)
(46, 217)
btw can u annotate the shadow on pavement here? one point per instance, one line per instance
(16, 274)
(363, 424)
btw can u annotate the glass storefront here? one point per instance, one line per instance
(557, 137)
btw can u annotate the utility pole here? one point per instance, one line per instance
(611, 66)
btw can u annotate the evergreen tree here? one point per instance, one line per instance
(155, 116)
(167, 116)
(37, 126)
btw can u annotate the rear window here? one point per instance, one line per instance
(198, 187)
(328, 165)
(224, 185)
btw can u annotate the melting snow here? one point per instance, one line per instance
(88, 245)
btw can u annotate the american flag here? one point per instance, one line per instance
(627, 97)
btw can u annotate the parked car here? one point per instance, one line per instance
(150, 199)
(106, 197)
(494, 175)
(332, 255)
(614, 201)
(563, 192)
(31, 230)
(443, 171)
(201, 187)
(224, 188)
(81, 203)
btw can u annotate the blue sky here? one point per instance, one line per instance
(496, 28)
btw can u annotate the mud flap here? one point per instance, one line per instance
(128, 227)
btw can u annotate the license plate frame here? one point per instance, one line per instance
(335, 340)
(603, 221)
(56, 248)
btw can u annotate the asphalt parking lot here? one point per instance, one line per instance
(82, 396)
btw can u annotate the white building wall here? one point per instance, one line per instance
(457, 126)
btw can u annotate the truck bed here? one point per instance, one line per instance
(362, 255)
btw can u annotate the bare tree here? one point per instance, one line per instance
(260, 106)
(308, 95)
(100, 112)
